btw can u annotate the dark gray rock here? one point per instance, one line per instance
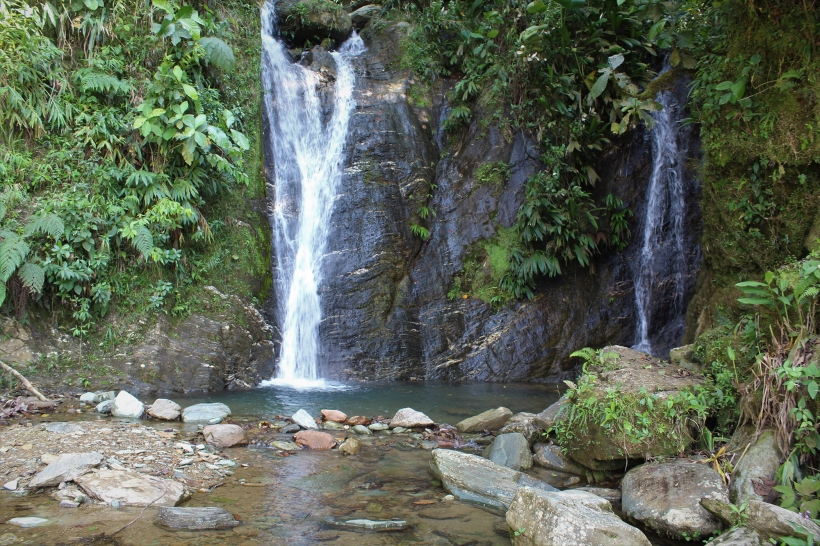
(547, 418)
(65, 468)
(364, 14)
(666, 497)
(195, 519)
(523, 423)
(313, 21)
(511, 450)
(552, 457)
(739, 536)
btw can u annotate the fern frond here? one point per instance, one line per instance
(33, 276)
(2, 293)
(143, 241)
(13, 252)
(218, 52)
(809, 293)
(97, 82)
(50, 224)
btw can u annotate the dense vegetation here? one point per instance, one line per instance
(125, 162)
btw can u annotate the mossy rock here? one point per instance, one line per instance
(303, 22)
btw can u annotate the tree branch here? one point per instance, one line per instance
(26, 383)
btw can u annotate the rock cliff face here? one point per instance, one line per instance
(386, 314)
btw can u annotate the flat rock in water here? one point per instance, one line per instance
(333, 415)
(286, 446)
(376, 524)
(313, 439)
(361, 429)
(552, 457)
(292, 427)
(63, 428)
(206, 413)
(492, 419)
(66, 468)
(332, 425)
(225, 435)
(740, 536)
(511, 450)
(130, 488)
(566, 518)
(474, 479)
(165, 410)
(351, 446)
(375, 427)
(768, 520)
(304, 420)
(666, 497)
(195, 519)
(126, 405)
(410, 418)
(26, 522)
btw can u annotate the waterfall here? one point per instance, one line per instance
(307, 155)
(661, 264)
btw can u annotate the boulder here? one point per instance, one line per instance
(511, 450)
(66, 468)
(333, 415)
(165, 410)
(103, 396)
(363, 15)
(357, 420)
(552, 457)
(739, 536)
(666, 497)
(567, 518)
(304, 420)
(126, 405)
(682, 356)
(489, 420)
(410, 418)
(313, 439)
(87, 397)
(351, 446)
(767, 520)
(130, 488)
(523, 423)
(313, 20)
(759, 464)
(225, 435)
(195, 519)
(474, 479)
(361, 429)
(547, 418)
(630, 376)
(611, 495)
(105, 407)
(206, 413)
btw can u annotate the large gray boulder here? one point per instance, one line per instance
(759, 463)
(313, 21)
(523, 423)
(552, 457)
(547, 418)
(206, 413)
(304, 420)
(409, 418)
(739, 536)
(769, 521)
(474, 479)
(126, 405)
(567, 518)
(511, 450)
(165, 410)
(130, 488)
(364, 14)
(666, 497)
(492, 419)
(66, 468)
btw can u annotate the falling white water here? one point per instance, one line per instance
(307, 156)
(663, 225)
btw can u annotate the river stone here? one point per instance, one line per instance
(126, 405)
(613, 496)
(105, 407)
(290, 428)
(768, 520)
(376, 524)
(351, 446)
(474, 479)
(759, 464)
(361, 429)
(206, 413)
(332, 425)
(410, 418)
(195, 519)
(547, 418)
(27, 522)
(376, 427)
(313, 19)
(511, 450)
(492, 419)
(552, 457)
(333, 415)
(666, 497)
(740, 536)
(12, 485)
(66, 468)
(285, 446)
(313, 439)
(225, 435)
(63, 428)
(131, 488)
(102, 396)
(523, 423)
(357, 420)
(304, 420)
(543, 518)
(165, 410)
(87, 397)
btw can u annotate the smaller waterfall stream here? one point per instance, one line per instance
(662, 257)
(307, 154)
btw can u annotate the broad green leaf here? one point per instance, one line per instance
(599, 86)
(190, 91)
(156, 112)
(240, 139)
(201, 139)
(164, 5)
(616, 60)
(674, 57)
(756, 301)
(219, 136)
(91, 4)
(169, 132)
(813, 388)
(724, 86)
(656, 29)
(218, 53)
(138, 122)
(178, 73)
(536, 7)
(492, 34)
(738, 89)
(572, 4)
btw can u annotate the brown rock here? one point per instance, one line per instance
(351, 446)
(333, 415)
(357, 420)
(165, 410)
(225, 435)
(313, 439)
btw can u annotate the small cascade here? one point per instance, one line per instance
(307, 154)
(661, 268)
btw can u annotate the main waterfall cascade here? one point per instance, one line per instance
(662, 265)
(307, 154)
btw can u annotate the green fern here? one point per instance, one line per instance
(49, 224)
(218, 52)
(143, 241)
(2, 293)
(13, 252)
(88, 79)
(33, 276)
